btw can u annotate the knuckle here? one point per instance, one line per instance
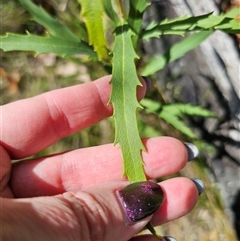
(92, 215)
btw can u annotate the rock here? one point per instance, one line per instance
(207, 76)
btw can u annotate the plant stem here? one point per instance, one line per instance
(153, 231)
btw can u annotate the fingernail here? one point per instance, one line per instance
(168, 238)
(140, 200)
(147, 81)
(199, 184)
(192, 150)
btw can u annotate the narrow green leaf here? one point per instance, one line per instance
(134, 19)
(210, 22)
(123, 97)
(93, 11)
(177, 26)
(177, 123)
(171, 113)
(152, 106)
(175, 52)
(230, 27)
(140, 5)
(233, 13)
(54, 27)
(160, 32)
(37, 44)
(111, 12)
(225, 22)
(188, 109)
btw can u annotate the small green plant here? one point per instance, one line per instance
(125, 22)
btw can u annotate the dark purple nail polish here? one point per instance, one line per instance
(148, 82)
(140, 199)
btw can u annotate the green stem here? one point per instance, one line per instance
(153, 231)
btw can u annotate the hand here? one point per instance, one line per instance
(72, 195)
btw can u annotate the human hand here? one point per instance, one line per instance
(72, 195)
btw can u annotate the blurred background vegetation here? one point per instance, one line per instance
(24, 76)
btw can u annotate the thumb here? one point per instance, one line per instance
(114, 211)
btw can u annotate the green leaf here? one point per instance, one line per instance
(37, 44)
(134, 19)
(175, 52)
(52, 25)
(152, 106)
(177, 123)
(233, 13)
(232, 26)
(187, 109)
(93, 11)
(175, 26)
(210, 22)
(123, 97)
(110, 12)
(171, 114)
(139, 5)
(226, 22)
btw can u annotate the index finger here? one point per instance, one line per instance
(33, 124)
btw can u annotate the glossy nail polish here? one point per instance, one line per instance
(168, 238)
(148, 82)
(192, 150)
(199, 184)
(140, 200)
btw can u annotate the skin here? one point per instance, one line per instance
(71, 195)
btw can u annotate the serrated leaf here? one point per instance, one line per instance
(171, 113)
(188, 109)
(232, 26)
(177, 26)
(123, 97)
(54, 27)
(210, 22)
(134, 19)
(93, 11)
(158, 33)
(177, 123)
(111, 12)
(226, 22)
(37, 44)
(175, 52)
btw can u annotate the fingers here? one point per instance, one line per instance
(181, 195)
(32, 124)
(93, 213)
(5, 173)
(86, 167)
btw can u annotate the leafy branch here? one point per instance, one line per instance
(172, 114)
(227, 22)
(54, 27)
(178, 50)
(49, 43)
(123, 97)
